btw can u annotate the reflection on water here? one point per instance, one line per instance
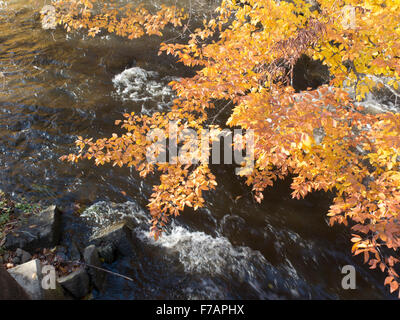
(54, 87)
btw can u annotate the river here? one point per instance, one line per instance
(55, 87)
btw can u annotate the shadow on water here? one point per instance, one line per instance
(57, 86)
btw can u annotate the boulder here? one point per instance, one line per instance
(10, 288)
(117, 236)
(42, 230)
(30, 277)
(74, 252)
(92, 260)
(106, 253)
(60, 254)
(23, 255)
(56, 294)
(76, 283)
(16, 260)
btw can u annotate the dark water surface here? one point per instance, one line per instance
(57, 86)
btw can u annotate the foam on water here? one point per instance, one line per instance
(139, 85)
(378, 103)
(212, 258)
(202, 253)
(198, 252)
(103, 214)
(215, 258)
(385, 99)
(198, 265)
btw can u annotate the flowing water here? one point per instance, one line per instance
(55, 87)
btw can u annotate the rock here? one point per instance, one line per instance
(118, 236)
(61, 257)
(10, 288)
(16, 260)
(56, 294)
(74, 252)
(23, 255)
(61, 249)
(91, 257)
(48, 274)
(107, 253)
(42, 230)
(76, 283)
(28, 277)
(61, 254)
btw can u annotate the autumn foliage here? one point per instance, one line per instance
(126, 21)
(245, 57)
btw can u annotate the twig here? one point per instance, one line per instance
(104, 270)
(220, 111)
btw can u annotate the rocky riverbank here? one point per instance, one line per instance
(44, 264)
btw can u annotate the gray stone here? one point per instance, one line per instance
(56, 294)
(23, 255)
(107, 253)
(28, 276)
(118, 236)
(74, 252)
(26, 256)
(92, 260)
(10, 288)
(42, 230)
(76, 283)
(16, 260)
(61, 249)
(61, 257)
